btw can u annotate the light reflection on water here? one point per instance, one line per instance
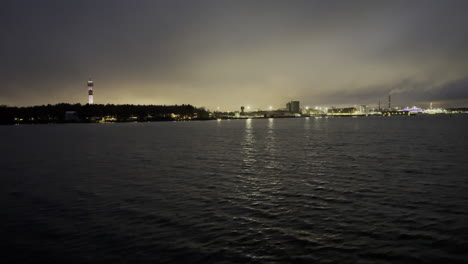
(248, 147)
(271, 150)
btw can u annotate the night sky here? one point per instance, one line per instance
(232, 53)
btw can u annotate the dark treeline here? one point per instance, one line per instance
(61, 113)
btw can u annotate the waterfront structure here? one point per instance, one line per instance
(348, 111)
(412, 110)
(293, 107)
(280, 114)
(90, 91)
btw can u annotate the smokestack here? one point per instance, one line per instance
(389, 102)
(90, 91)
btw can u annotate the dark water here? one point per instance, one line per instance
(330, 190)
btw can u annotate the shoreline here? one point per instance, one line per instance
(223, 119)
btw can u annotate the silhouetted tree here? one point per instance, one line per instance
(91, 113)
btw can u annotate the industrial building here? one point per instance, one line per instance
(293, 107)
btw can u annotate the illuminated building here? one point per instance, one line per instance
(363, 109)
(90, 91)
(342, 111)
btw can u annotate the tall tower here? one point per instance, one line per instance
(389, 102)
(90, 91)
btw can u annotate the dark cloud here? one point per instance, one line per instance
(404, 93)
(231, 53)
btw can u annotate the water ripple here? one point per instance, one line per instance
(361, 190)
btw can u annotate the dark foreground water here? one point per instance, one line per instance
(330, 190)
